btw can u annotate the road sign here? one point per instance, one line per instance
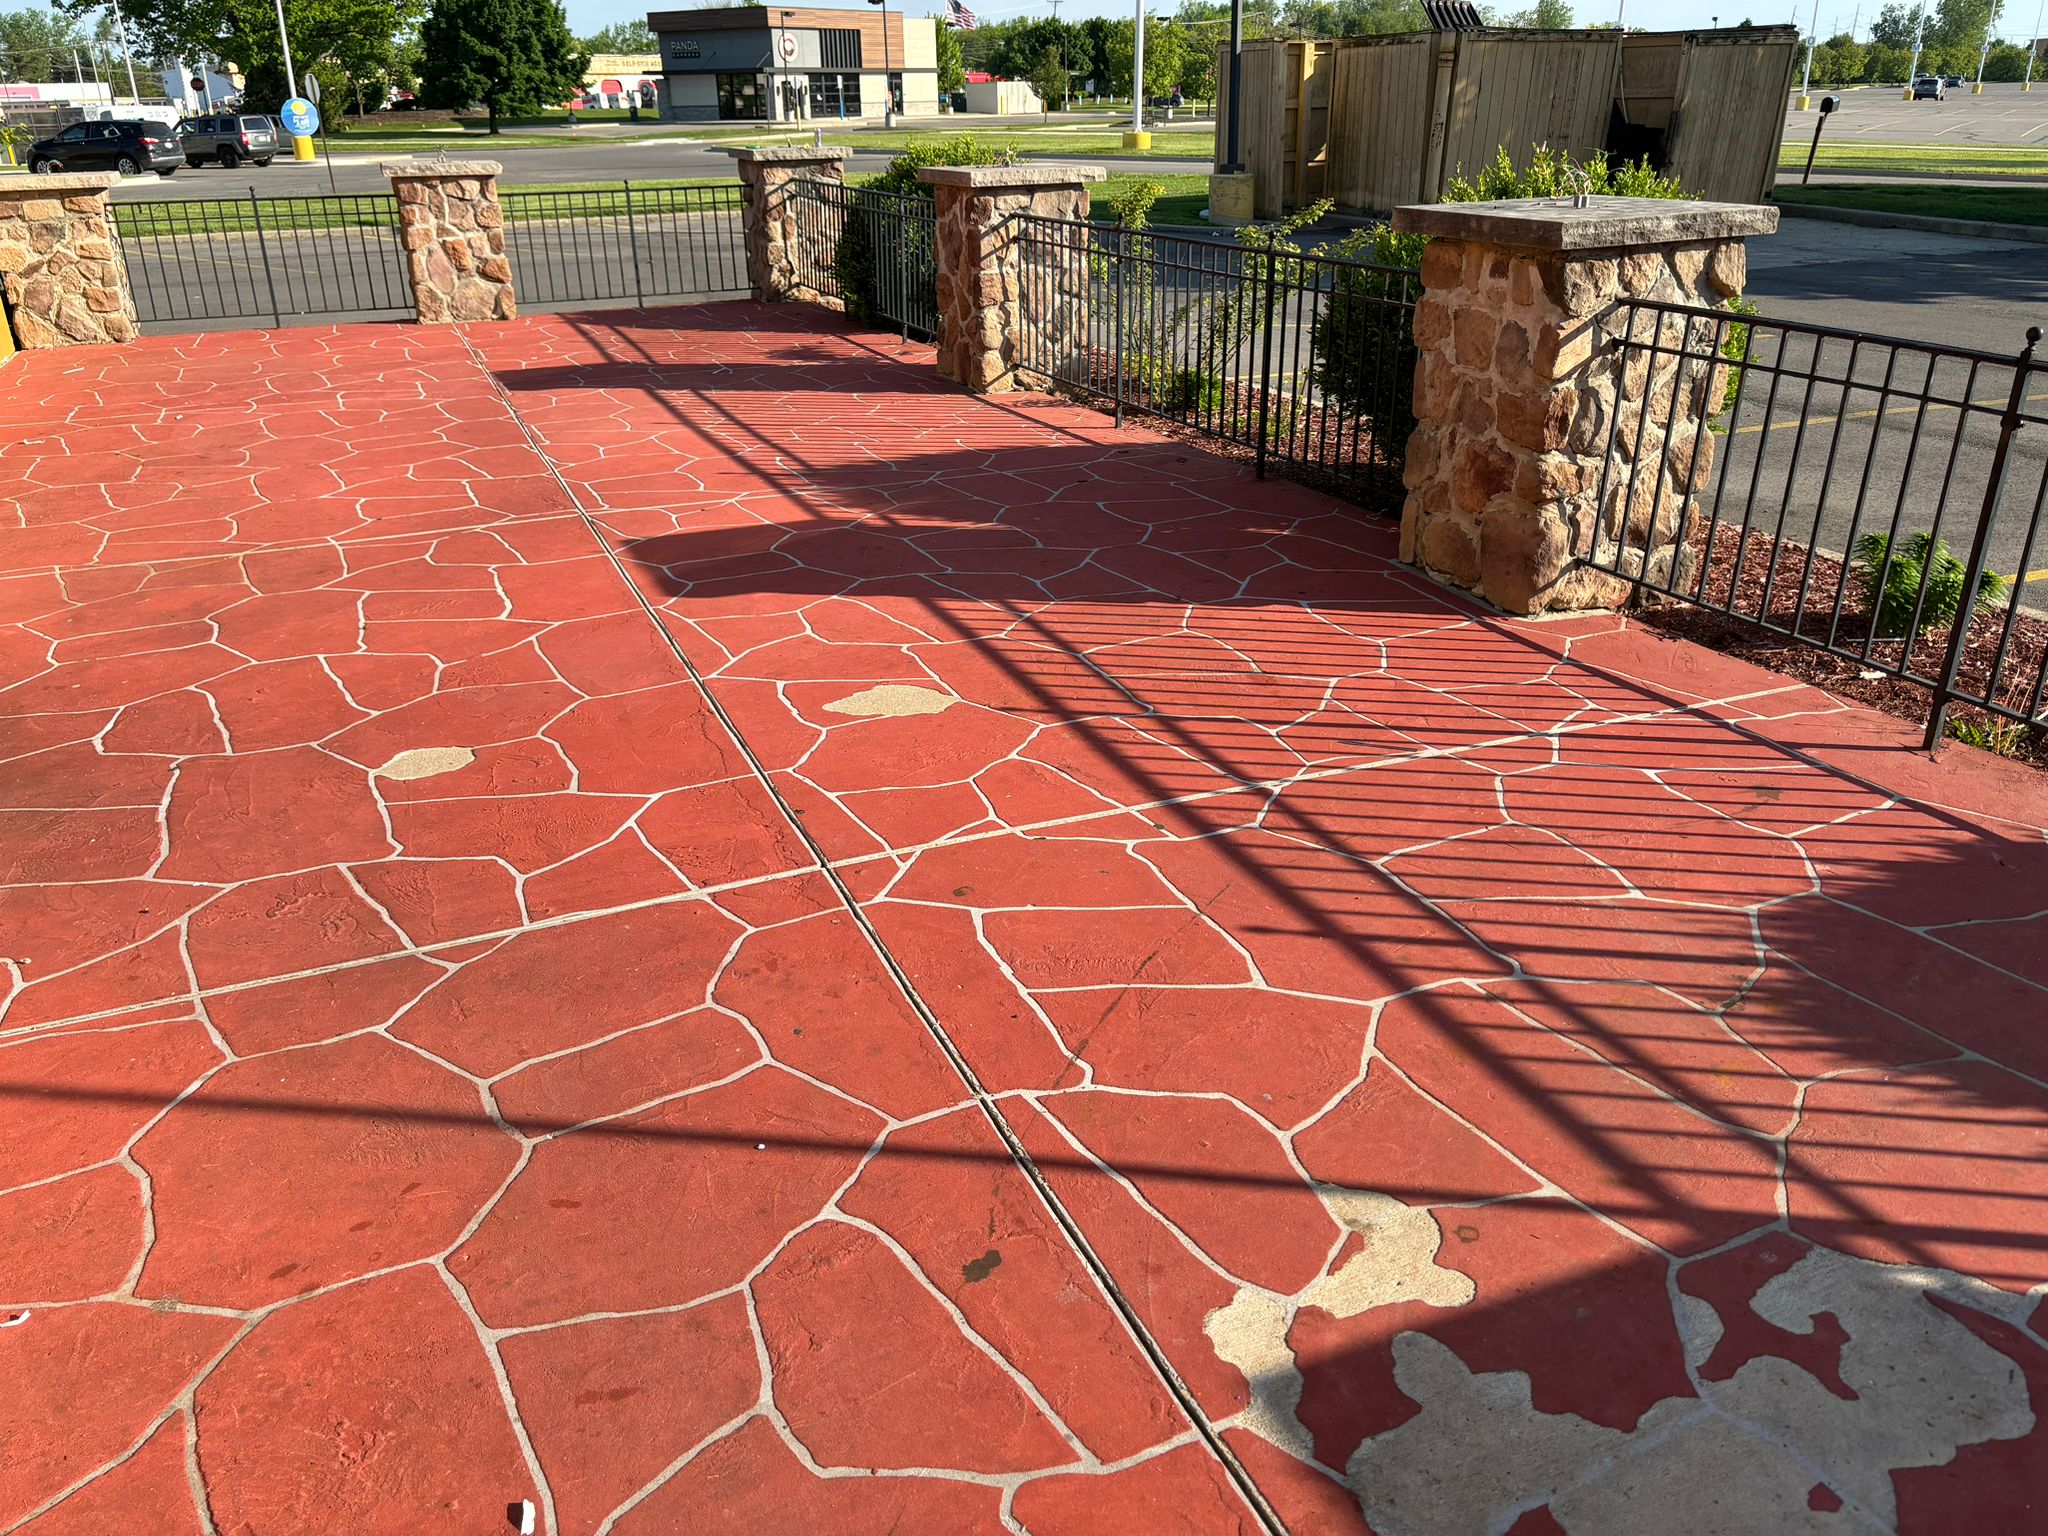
(313, 89)
(301, 118)
(198, 84)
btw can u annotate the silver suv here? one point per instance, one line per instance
(228, 140)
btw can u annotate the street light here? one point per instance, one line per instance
(888, 95)
(1135, 139)
(2034, 46)
(1806, 81)
(121, 27)
(1913, 70)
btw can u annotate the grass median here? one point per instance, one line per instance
(1919, 159)
(1995, 205)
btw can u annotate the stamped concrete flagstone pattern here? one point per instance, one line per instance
(1093, 1001)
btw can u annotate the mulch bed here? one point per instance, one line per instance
(1848, 677)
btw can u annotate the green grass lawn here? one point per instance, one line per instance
(1998, 205)
(1181, 203)
(1919, 159)
(1189, 144)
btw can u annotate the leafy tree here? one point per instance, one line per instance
(633, 36)
(1049, 78)
(2006, 62)
(1839, 61)
(1350, 18)
(952, 68)
(1959, 27)
(1089, 58)
(36, 45)
(1546, 15)
(1897, 26)
(1164, 45)
(322, 31)
(512, 56)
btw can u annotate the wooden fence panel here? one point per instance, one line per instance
(1380, 99)
(1721, 146)
(1513, 91)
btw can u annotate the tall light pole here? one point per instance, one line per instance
(1232, 164)
(1806, 81)
(1983, 53)
(2034, 46)
(121, 30)
(1137, 137)
(1913, 69)
(888, 95)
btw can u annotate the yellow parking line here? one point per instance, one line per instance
(2033, 576)
(1896, 410)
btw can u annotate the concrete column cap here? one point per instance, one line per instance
(1606, 224)
(59, 185)
(1002, 178)
(439, 170)
(792, 154)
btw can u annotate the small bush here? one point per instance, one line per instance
(853, 262)
(1889, 577)
(2007, 738)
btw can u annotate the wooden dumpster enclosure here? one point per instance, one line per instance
(1373, 122)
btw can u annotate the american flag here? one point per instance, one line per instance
(958, 15)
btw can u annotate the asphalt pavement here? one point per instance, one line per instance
(2003, 115)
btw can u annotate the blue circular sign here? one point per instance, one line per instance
(301, 118)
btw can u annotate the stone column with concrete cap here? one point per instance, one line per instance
(66, 286)
(1012, 313)
(453, 230)
(1518, 387)
(787, 244)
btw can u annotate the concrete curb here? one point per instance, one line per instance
(1871, 218)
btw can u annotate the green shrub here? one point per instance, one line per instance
(853, 261)
(2005, 737)
(1889, 577)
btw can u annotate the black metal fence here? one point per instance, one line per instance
(263, 260)
(1879, 499)
(200, 262)
(1305, 362)
(624, 245)
(876, 252)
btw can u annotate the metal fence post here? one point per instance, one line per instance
(1994, 490)
(633, 248)
(1117, 321)
(1266, 359)
(263, 256)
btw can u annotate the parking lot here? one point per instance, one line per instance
(1879, 114)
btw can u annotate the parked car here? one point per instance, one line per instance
(228, 140)
(1929, 88)
(1953, 82)
(125, 146)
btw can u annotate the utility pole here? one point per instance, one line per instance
(2034, 46)
(1983, 53)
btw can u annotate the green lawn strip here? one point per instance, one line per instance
(1997, 205)
(284, 216)
(1195, 144)
(1920, 159)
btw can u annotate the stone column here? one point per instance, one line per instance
(1006, 303)
(1521, 391)
(786, 249)
(66, 286)
(454, 233)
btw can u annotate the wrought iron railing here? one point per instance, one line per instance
(876, 252)
(1879, 499)
(1304, 362)
(197, 260)
(626, 244)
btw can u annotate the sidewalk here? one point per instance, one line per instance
(664, 915)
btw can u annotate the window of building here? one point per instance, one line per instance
(896, 92)
(835, 95)
(839, 48)
(741, 96)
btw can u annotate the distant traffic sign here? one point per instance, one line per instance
(301, 118)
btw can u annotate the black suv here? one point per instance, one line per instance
(130, 148)
(230, 139)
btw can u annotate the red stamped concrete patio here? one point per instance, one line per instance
(663, 916)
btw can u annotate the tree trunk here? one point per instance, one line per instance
(492, 108)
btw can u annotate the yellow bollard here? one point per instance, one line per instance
(1977, 89)
(1909, 91)
(302, 147)
(1803, 104)
(1137, 140)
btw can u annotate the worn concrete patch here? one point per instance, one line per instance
(1398, 1262)
(425, 762)
(894, 699)
(1250, 1332)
